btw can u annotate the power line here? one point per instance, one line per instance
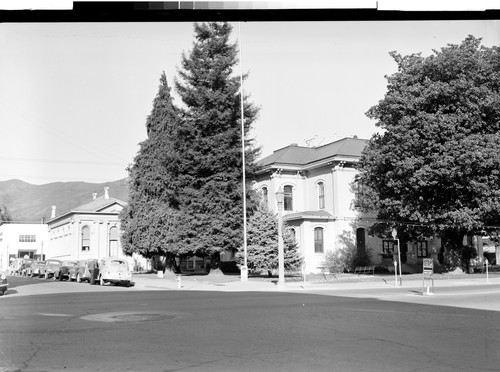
(60, 161)
(31, 120)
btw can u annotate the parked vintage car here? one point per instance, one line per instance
(37, 268)
(48, 270)
(26, 267)
(114, 270)
(62, 272)
(81, 271)
(15, 266)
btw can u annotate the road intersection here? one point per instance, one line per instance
(211, 324)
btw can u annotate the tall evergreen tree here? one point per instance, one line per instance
(262, 252)
(209, 173)
(149, 219)
(4, 214)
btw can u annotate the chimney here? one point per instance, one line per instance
(106, 193)
(94, 196)
(53, 212)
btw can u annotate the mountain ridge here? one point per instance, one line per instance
(33, 203)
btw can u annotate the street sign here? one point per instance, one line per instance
(427, 275)
(428, 265)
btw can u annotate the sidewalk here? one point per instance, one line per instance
(350, 281)
(344, 282)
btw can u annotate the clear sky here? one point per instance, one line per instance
(74, 97)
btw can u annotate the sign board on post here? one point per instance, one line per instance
(428, 270)
(428, 265)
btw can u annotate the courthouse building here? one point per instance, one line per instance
(320, 203)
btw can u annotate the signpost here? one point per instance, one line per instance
(427, 272)
(487, 278)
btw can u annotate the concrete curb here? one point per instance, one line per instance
(191, 283)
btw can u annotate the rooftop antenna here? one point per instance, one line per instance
(312, 141)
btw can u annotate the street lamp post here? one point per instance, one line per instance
(280, 196)
(394, 235)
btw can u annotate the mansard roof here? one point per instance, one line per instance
(295, 156)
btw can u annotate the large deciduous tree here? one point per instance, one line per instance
(434, 169)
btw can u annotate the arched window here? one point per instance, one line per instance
(85, 238)
(321, 195)
(113, 241)
(288, 202)
(318, 240)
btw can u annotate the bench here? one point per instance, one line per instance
(326, 273)
(364, 270)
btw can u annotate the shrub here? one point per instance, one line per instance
(335, 262)
(346, 259)
(452, 260)
(460, 258)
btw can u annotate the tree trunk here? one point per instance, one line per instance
(172, 264)
(215, 267)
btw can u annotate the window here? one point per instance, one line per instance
(288, 202)
(27, 238)
(25, 254)
(318, 240)
(422, 250)
(360, 239)
(265, 196)
(388, 247)
(113, 241)
(113, 233)
(321, 195)
(85, 238)
(359, 194)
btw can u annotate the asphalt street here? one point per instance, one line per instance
(213, 326)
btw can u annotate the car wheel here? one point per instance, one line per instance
(101, 280)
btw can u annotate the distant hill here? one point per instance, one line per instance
(31, 203)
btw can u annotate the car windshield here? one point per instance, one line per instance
(117, 263)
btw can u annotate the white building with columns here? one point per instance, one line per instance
(89, 231)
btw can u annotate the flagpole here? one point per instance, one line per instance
(244, 269)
